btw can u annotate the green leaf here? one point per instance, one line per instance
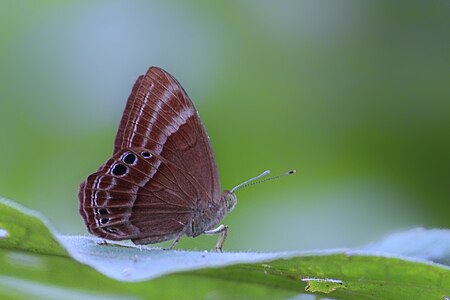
(37, 263)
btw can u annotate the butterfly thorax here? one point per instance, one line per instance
(207, 218)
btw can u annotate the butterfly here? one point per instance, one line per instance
(161, 182)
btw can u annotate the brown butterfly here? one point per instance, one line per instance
(162, 181)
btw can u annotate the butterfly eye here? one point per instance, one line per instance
(231, 201)
(119, 170)
(130, 158)
(146, 155)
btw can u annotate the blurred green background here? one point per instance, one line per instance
(355, 95)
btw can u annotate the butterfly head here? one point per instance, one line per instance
(230, 200)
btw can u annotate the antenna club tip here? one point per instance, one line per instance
(292, 172)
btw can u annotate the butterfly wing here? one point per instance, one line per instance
(159, 116)
(173, 173)
(135, 195)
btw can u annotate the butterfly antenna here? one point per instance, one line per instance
(255, 180)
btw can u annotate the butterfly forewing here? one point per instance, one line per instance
(162, 171)
(159, 116)
(126, 114)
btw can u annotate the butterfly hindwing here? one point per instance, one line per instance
(135, 195)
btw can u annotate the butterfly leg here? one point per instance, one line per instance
(102, 242)
(222, 230)
(175, 242)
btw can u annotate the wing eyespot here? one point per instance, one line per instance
(104, 221)
(146, 154)
(129, 158)
(119, 170)
(102, 211)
